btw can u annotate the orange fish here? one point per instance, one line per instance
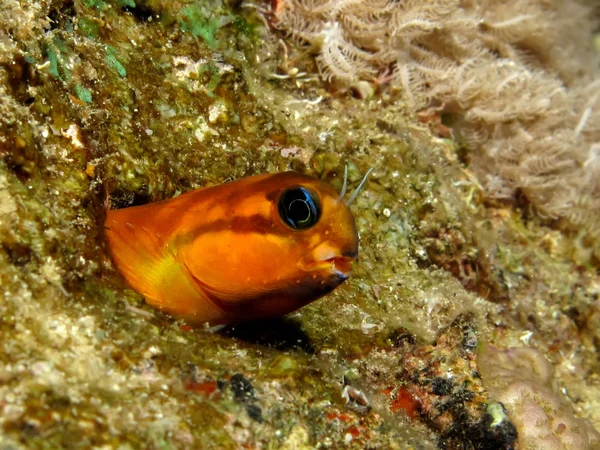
(258, 247)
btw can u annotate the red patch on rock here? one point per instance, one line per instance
(403, 400)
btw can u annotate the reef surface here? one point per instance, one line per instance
(467, 323)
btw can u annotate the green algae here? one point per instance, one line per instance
(89, 27)
(83, 93)
(93, 3)
(55, 53)
(53, 59)
(113, 62)
(128, 3)
(198, 20)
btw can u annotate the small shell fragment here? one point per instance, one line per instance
(354, 396)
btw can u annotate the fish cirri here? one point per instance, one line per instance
(255, 248)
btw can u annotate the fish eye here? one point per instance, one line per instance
(299, 208)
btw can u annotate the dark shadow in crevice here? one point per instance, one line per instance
(280, 333)
(60, 14)
(124, 199)
(141, 12)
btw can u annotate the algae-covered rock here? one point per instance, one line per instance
(126, 102)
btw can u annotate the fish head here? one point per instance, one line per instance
(321, 231)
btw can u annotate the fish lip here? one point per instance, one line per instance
(340, 266)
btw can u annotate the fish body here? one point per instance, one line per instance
(258, 247)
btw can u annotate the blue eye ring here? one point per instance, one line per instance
(299, 208)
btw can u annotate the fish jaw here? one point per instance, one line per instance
(330, 260)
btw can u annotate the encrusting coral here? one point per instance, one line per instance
(517, 80)
(521, 379)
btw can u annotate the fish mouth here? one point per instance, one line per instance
(327, 259)
(340, 265)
